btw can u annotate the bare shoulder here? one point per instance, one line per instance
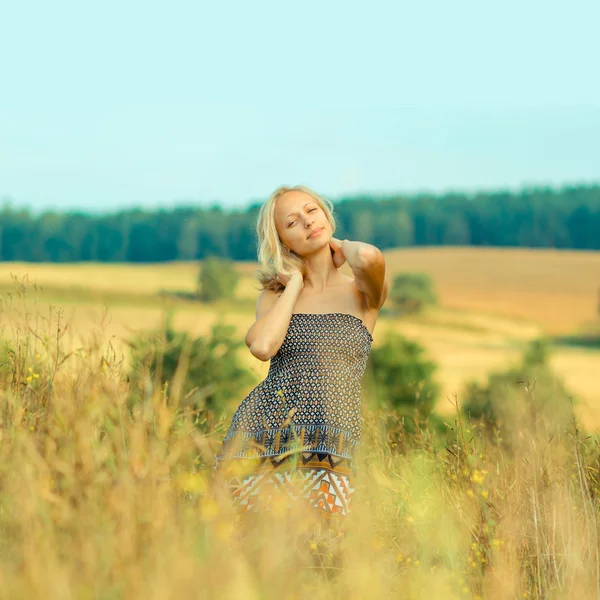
(355, 294)
(265, 301)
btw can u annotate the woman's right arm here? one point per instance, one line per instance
(273, 314)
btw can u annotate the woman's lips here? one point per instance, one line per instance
(316, 232)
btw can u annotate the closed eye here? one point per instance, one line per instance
(292, 222)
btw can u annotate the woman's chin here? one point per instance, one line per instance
(316, 248)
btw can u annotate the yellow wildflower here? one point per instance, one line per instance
(192, 482)
(477, 477)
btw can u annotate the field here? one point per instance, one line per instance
(492, 301)
(103, 497)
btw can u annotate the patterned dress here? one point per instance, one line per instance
(297, 432)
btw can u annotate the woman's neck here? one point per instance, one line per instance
(320, 270)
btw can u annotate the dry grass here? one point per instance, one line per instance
(104, 499)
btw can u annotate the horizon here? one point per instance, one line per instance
(8, 203)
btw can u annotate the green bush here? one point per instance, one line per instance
(211, 375)
(520, 395)
(402, 377)
(218, 279)
(411, 292)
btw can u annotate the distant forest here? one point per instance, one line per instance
(537, 218)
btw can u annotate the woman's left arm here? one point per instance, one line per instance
(368, 267)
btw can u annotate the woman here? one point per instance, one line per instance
(295, 435)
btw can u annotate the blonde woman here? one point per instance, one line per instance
(314, 324)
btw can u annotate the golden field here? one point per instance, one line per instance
(557, 290)
(100, 499)
(492, 301)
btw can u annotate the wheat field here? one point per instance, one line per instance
(100, 499)
(557, 290)
(492, 301)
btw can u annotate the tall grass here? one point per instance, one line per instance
(105, 498)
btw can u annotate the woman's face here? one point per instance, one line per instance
(297, 216)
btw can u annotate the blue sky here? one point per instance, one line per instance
(117, 104)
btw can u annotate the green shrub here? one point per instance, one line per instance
(519, 396)
(411, 292)
(402, 377)
(218, 279)
(211, 373)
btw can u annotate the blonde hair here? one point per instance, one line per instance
(273, 256)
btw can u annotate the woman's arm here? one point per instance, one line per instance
(368, 267)
(273, 314)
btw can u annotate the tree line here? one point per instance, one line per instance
(568, 217)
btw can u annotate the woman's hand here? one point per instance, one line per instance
(338, 255)
(285, 279)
